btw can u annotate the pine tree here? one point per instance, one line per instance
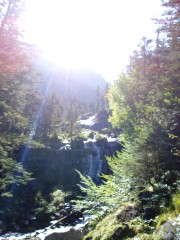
(16, 80)
(145, 101)
(50, 115)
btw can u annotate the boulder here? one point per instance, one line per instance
(72, 234)
(122, 232)
(127, 214)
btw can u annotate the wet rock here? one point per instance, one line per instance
(63, 213)
(30, 238)
(72, 234)
(72, 218)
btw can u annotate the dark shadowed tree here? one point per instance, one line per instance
(16, 84)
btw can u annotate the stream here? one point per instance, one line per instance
(93, 164)
(42, 233)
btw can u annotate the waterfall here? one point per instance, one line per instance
(90, 166)
(94, 159)
(99, 170)
(98, 161)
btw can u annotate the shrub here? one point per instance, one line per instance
(57, 198)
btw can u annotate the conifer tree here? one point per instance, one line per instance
(144, 102)
(16, 81)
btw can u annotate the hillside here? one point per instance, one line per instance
(82, 83)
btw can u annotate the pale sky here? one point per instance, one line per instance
(98, 34)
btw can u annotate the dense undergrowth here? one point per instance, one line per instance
(110, 227)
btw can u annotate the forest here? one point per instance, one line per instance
(137, 194)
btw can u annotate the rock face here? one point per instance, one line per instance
(72, 234)
(96, 122)
(53, 168)
(168, 231)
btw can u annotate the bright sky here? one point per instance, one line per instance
(98, 34)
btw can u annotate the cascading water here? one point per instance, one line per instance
(98, 161)
(94, 159)
(99, 170)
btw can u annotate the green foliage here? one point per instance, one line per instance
(144, 104)
(18, 98)
(12, 172)
(105, 198)
(104, 228)
(13, 126)
(57, 198)
(100, 100)
(171, 212)
(42, 206)
(49, 117)
(73, 109)
(176, 203)
(138, 225)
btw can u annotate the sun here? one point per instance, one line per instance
(57, 27)
(75, 34)
(98, 34)
(64, 54)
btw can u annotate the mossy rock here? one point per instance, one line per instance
(112, 228)
(127, 214)
(121, 232)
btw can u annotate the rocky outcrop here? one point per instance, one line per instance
(127, 214)
(72, 234)
(122, 232)
(97, 122)
(169, 230)
(54, 168)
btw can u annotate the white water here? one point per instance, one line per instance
(94, 161)
(42, 233)
(88, 122)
